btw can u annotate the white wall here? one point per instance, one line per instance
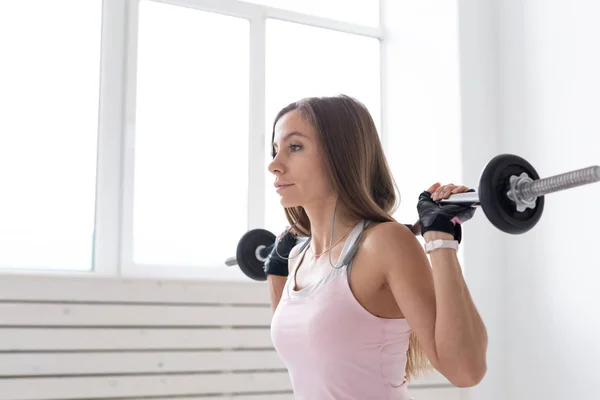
(483, 245)
(553, 98)
(441, 66)
(531, 81)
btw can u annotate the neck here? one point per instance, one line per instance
(321, 216)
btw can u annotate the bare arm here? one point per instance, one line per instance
(461, 336)
(435, 300)
(276, 284)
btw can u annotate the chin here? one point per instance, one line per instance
(289, 204)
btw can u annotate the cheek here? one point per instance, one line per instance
(313, 170)
(318, 180)
(321, 174)
(314, 176)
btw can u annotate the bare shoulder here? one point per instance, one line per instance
(391, 245)
(384, 236)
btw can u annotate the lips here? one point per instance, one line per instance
(282, 186)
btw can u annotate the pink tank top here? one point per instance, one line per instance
(334, 348)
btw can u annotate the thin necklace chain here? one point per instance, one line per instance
(319, 255)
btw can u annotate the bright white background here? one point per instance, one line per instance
(136, 136)
(119, 137)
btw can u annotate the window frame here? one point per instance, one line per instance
(113, 238)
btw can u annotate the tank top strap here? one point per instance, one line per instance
(347, 254)
(351, 247)
(300, 255)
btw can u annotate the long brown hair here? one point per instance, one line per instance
(358, 171)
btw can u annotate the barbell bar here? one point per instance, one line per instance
(510, 193)
(527, 190)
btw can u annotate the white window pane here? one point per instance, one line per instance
(304, 61)
(191, 145)
(363, 12)
(49, 80)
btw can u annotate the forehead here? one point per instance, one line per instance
(292, 122)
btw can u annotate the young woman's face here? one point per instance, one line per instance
(298, 164)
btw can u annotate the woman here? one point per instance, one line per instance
(359, 309)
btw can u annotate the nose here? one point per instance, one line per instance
(276, 166)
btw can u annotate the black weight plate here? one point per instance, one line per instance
(246, 253)
(498, 208)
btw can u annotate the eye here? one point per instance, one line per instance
(293, 148)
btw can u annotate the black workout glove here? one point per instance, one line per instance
(277, 263)
(443, 217)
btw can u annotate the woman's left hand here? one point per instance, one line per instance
(439, 191)
(443, 217)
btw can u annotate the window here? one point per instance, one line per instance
(150, 142)
(363, 12)
(191, 136)
(135, 137)
(49, 77)
(325, 62)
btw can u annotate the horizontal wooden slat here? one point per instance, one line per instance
(132, 386)
(130, 363)
(131, 315)
(119, 339)
(153, 362)
(131, 290)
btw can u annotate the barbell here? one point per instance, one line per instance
(510, 193)
(252, 251)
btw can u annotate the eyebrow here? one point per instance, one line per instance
(290, 134)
